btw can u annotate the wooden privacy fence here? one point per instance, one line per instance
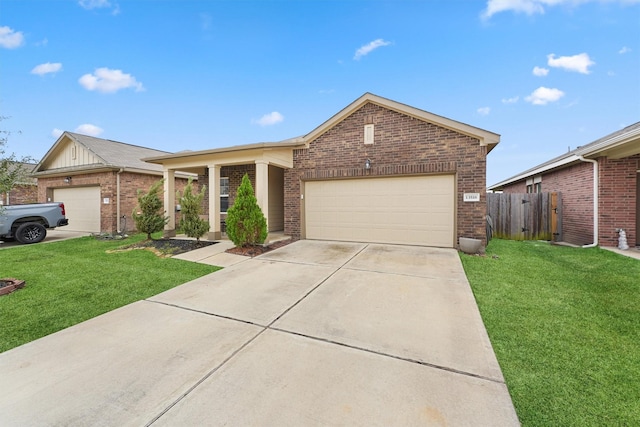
(525, 216)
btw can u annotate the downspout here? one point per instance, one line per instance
(595, 201)
(118, 200)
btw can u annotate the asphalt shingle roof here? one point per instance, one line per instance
(119, 154)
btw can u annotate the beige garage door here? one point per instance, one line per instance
(417, 210)
(82, 206)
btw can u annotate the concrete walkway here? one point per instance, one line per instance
(314, 333)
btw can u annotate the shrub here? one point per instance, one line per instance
(149, 214)
(191, 208)
(246, 224)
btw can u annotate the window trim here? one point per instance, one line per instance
(224, 194)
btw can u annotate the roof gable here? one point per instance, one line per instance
(487, 138)
(75, 152)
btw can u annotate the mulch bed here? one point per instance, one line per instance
(171, 247)
(168, 247)
(253, 251)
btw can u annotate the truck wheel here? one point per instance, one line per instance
(30, 232)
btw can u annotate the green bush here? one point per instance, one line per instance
(149, 214)
(246, 224)
(191, 208)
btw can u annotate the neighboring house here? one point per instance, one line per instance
(600, 186)
(377, 171)
(25, 191)
(98, 181)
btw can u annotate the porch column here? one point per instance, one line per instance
(169, 176)
(262, 189)
(214, 203)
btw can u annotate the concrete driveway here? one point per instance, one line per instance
(314, 333)
(52, 236)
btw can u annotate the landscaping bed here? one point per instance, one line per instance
(253, 251)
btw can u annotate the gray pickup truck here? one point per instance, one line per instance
(29, 223)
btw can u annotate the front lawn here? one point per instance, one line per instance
(565, 326)
(70, 281)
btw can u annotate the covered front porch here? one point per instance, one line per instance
(265, 163)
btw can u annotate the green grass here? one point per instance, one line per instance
(70, 281)
(564, 323)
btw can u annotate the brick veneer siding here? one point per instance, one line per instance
(617, 199)
(20, 195)
(517, 187)
(403, 146)
(130, 183)
(576, 185)
(235, 174)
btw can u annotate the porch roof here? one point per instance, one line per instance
(276, 153)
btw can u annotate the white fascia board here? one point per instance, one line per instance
(535, 171)
(609, 143)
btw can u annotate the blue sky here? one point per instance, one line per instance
(191, 75)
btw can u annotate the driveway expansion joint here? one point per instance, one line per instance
(207, 313)
(392, 356)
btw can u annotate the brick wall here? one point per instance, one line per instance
(617, 199)
(403, 146)
(20, 195)
(576, 185)
(130, 183)
(516, 187)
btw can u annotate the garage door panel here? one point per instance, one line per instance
(82, 206)
(410, 210)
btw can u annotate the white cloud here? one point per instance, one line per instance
(106, 80)
(270, 119)
(89, 129)
(579, 63)
(624, 50)
(56, 133)
(529, 7)
(47, 68)
(370, 47)
(544, 95)
(10, 39)
(510, 100)
(532, 7)
(100, 4)
(484, 111)
(540, 72)
(94, 4)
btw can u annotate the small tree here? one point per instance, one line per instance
(13, 170)
(149, 214)
(191, 208)
(246, 224)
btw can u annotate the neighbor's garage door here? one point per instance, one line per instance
(416, 210)
(82, 206)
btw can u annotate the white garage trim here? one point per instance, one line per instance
(414, 210)
(82, 206)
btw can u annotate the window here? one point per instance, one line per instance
(534, 185)
(537, 187)
(224, 194)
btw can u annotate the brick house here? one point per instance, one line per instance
(377, 171)
(600, 186)
(98, 180)
(26, 191)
